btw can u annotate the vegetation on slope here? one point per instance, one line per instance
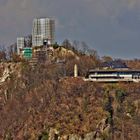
(35, 99)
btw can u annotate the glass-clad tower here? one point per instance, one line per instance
(20, 44)
(43, 29)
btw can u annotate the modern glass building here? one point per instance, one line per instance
(43, 30)
(20, 44)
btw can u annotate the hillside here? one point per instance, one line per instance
(36, 104)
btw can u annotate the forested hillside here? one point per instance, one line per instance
(40, 103)
(45, 102)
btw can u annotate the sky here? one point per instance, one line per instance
(112, 27)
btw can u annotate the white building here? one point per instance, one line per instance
(113, 76)
(20, 44)
(43, 31)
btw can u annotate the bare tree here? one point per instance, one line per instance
(66, 43)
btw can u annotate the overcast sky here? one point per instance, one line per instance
(112, 27)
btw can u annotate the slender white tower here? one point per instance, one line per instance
(75, 70)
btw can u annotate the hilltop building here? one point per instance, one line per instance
(113, 75)
(22, 50)
(43, 32)
(33, 47)
(20, 45)
(114, 64)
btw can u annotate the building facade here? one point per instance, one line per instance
(20, 44)
(43, 31)
(113, 75)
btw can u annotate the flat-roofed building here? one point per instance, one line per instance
(113, 76)
(20, 45)
(43, 31)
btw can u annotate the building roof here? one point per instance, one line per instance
(115, 70)
(115, 64)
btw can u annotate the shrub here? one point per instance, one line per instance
(44, 136)
(120, 95)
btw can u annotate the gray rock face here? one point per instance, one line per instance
(65, 137)
(89, 136)
(53, 133)
(74, 137)
(103, 131)
(5, 75)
